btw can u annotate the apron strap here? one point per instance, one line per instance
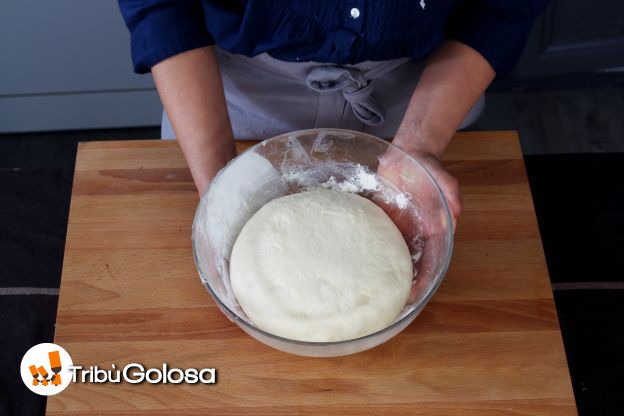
(355, 88)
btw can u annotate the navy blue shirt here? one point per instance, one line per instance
(338, 31)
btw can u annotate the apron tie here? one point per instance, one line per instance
(355, 88)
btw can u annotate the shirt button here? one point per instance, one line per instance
(355, 12)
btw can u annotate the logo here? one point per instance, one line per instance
(46, 369)
(135, 373)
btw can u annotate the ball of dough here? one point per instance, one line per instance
(321, 265)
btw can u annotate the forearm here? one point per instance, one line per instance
(190, 88)
(454, 78)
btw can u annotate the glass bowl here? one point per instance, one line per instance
(345, 160)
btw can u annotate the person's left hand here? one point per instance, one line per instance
(447, 182)
(424, 230)
(394, 167)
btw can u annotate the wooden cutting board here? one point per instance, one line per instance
(488, 343)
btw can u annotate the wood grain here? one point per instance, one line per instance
(488, 343)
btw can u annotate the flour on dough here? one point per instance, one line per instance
(321, 265)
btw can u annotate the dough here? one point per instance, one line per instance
(321, 265)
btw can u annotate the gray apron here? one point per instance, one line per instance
(267, 97)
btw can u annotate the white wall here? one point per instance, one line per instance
(65, 64)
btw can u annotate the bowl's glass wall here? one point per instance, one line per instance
(297, 161)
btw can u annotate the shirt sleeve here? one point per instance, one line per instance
(160, 29)
(497, 29)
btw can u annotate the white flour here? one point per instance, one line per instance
(356, 179)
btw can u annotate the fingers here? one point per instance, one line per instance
(427, 227)
(396, 168)
(406, 220)
(447, 183)
(450, 188)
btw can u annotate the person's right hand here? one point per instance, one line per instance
(208, 164)
(190, 87)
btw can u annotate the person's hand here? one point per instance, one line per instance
(208, 164)
(426, 228)
(447, 182)
(190, 87)
(454, 77)
(394, 166)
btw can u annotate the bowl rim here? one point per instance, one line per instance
(410, 315)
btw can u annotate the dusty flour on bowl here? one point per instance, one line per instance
(356, 179)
